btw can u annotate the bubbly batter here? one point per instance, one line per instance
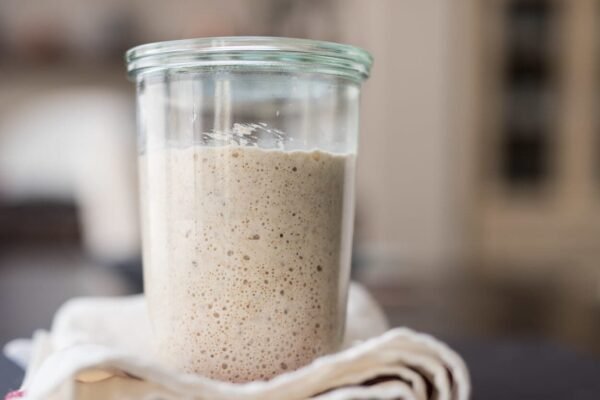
(244, 249)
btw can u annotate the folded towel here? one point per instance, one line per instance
(100, 349)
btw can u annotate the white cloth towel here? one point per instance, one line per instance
(98, 348)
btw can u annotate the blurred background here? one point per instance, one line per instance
(478, 213)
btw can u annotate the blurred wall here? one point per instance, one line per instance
(405, 189)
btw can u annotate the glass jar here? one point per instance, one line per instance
(247, 150)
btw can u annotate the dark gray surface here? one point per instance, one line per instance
(528, 369)
(522, 370)
(10, 376)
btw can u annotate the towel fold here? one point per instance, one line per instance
(99, 348)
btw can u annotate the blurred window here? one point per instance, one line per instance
(528, 92)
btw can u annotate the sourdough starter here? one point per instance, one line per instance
(246, 257)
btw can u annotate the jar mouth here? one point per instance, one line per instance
(276, 54)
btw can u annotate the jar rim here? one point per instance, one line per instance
(250, 52)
